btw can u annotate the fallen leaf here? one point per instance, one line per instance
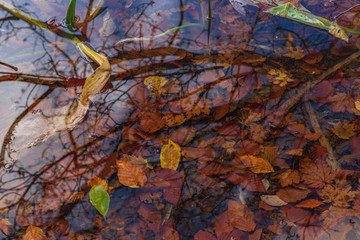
(290, 194)
(309, 203)
(100, 199)
(295, 152)
(345, 131)
(338, 196)
(95, 180)
(170, 155)
(130, 175)
(338, 32)
(288, 177)
(273, 200)
(240, 216)
(316, 174)
(280, 76)
(213, 168)
(155, 83)
(34, 233)
(256, 164)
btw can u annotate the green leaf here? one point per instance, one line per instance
(100, 199)
(70, 15)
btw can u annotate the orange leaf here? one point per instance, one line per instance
(295, 152)
(288, 177)
(130, 175)
(310, 203)
(240, 216)
(95, 180)
(34, 233)
(345, 131)
(256, 165)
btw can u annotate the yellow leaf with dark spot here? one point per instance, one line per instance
(170, 155)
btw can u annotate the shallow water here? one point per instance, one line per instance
(223, 104)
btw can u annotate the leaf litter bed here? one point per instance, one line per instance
(245, 129)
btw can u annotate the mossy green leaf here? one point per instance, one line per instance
(100, 199)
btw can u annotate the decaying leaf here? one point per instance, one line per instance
(130, 175)
(288, 177)
(310, 203)
(95, 180)
(345, 131)
(338, 32)
(155, 83)
(337, 195)
(34, 233)
(290, 194)
(316, 174)
(170, 155)
(100, 199)
(256, 164)
(4, 223)
(273, 200)
(295, 152)
(280, 76)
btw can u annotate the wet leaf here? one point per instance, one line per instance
(290, 194)
(34, 233)
(338, 32)
(288, 177)
(155, 83)
(317, 174)
(280, 77)
(170, 155)
(130, 175)
(95, 180)
(345, 131)
(4, 223)
(273, 200)
(256, 164)
(338, 196)
(100, 199)
(240, 216)
(295, 152)
(309, 203)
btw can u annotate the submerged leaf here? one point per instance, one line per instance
(170, 155)
(34, 233)
(273, 200)
(100, 199)
(155, 83)
(256, 164)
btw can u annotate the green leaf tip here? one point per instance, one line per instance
(70, 15)
(100, 199)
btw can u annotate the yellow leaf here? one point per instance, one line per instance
(170, 155)
(95, 180)
(34, 233)
(5, 221)
(155, 83)
(256, 164)
(338, 32)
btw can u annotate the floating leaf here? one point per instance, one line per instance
(95, 180)
(130, 175)
(34, 233)
(100, 199)
(70, 15)
(170, 155)
(256, 164)
(273, 200)
(338, 32)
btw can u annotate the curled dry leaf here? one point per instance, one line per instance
(34, 233)
(170, 155)
(95, 180)
(256, 164)
(130, 175)
(273, 200)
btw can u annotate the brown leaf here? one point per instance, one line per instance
(290, 194)
(273, 200)
(34, 233)
(345, 131)
(240, 216)
(295, 152)
(213, 168)
(256, 164)
(75, 197)
(309, 203)
(183, 135)
(317, 174)
(95, 180)
(288, 177)
(130, 175)
(339, 196)
(151, 122)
